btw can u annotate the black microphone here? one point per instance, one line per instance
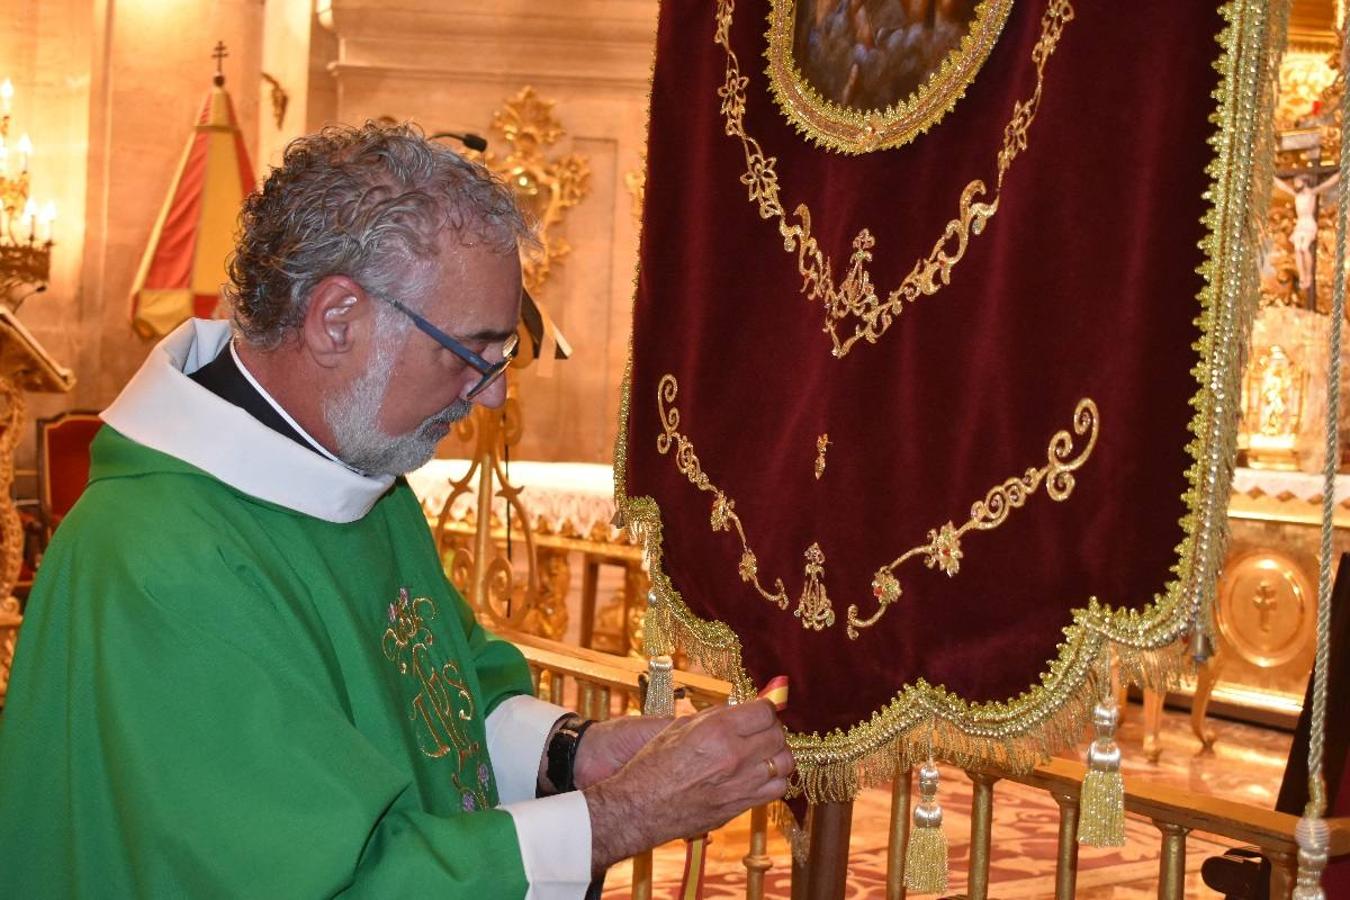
(468, 139)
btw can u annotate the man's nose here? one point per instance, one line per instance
(494, 395)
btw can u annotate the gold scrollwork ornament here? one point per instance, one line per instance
(855, 297)
(547, 186)
(942, 551)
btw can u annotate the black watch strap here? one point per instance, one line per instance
(562, 753)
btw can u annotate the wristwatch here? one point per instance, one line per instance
(562, 753)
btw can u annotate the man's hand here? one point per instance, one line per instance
(692, 776)
(609, 745)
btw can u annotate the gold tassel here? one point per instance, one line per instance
(926, 856)
(660, 699)
(1101, 820)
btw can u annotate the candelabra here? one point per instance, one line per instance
(25, 227)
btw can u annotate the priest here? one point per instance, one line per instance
(242, 671)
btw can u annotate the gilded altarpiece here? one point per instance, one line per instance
(932, 394)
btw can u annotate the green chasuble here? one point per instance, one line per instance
(215, 695)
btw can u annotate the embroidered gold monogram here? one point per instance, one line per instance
(443, 702)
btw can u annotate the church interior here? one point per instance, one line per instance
(132, 130)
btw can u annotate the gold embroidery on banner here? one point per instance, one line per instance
(814, 608)
(724, 517)
(822, 443)
(853, 130)
(855, 296)
(923, 718)
(943, 548)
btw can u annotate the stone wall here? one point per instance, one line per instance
(109, 92)
(448, 64)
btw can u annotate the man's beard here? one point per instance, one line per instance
(354, 417)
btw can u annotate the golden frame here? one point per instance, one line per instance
(856, 131)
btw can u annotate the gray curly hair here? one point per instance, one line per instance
(362, 202)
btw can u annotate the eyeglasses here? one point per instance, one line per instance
(489, 371)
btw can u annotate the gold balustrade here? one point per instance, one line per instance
(600, 678)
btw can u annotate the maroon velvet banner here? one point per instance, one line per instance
(1012, 430)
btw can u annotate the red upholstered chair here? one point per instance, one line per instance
(63, 462)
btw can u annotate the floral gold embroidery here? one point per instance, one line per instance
(855, 296)
(724, 517)
(749, 566)
(943, 548)
(814, 607)
(822, 443)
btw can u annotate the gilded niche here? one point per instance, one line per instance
(863, 75)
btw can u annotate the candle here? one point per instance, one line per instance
(30, 214)
(25, 150)
(6, 95)
(45, 220)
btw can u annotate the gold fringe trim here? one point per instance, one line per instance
(797, 836)
(1018, 733)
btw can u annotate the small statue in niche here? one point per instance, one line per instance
(1306, 192)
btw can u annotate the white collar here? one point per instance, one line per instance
(281, 411)
(165, 410)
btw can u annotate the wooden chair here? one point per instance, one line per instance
(63, 463)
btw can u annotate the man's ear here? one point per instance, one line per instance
(337, 320)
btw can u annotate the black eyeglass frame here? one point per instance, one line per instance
(489, 371)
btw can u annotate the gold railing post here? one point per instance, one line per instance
(600, 705)
(1066, 869)
(1172, 864)
(899, 836)
(585, 690)
(642, 876)
(757, 861)
(981, 828)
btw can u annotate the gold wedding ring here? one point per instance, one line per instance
(773, 769)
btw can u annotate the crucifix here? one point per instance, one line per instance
(219, 54)
(1306, 189)
(1265, 600)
